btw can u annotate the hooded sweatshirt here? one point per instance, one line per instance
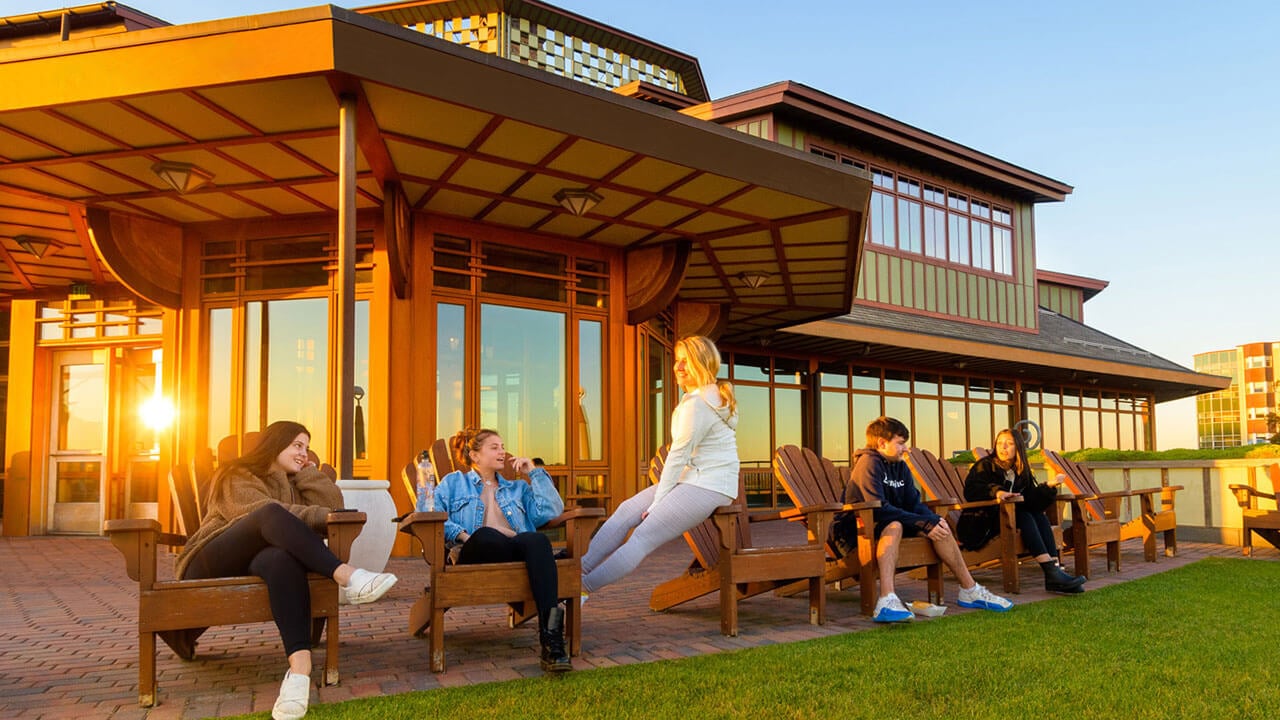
(875, 477)
(704, 445)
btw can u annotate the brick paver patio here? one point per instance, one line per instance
(68, 640)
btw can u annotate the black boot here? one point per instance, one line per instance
(1060, 581)
(551, 635)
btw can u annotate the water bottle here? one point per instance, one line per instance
(426, 482)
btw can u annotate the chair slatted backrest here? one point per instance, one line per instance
(1079, 480)
(808, 478)
(938, 479)
(182, 490)
(704, 538)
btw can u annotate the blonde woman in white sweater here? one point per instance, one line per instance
(700, 474)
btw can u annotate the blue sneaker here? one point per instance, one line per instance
(982, 599)
(889, 609)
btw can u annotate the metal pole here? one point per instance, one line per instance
(346, 283)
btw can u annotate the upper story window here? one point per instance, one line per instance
(1257, 361)
(922, 218)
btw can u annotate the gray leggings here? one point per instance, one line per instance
(608, 559)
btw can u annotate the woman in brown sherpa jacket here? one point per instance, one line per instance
(267, 511)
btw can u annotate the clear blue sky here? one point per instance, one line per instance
(1163, 115)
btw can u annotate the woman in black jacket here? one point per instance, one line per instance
(1003, 475)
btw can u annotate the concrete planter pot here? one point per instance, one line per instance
(372, 497)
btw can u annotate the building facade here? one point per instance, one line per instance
(393, 222)
(1245, 413)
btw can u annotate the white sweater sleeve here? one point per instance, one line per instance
(689, 424)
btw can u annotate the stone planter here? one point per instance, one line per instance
(372, 548)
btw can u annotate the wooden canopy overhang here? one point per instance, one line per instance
(1062, 353)
(440, 129)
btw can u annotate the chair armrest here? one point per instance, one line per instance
(730, 509)
(1247, 495)
(137, 541)
(854, 507)
(955, 504)
(793, 513)
(579, 523)
(342, 529)
(573, 514)
(428, 529)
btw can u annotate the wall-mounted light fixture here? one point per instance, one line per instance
(578, 201)
(754, 278)
(181, 176)
(33, 244)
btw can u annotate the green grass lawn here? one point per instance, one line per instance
(1201, 641)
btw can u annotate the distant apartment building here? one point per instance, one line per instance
(1238, 415)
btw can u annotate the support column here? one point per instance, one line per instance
(346, 282)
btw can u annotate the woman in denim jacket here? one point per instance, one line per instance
(494, 519)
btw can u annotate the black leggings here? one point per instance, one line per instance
(278, 547)
(1037, 533)
(487, 545)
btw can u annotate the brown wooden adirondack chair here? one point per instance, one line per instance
(1266, 523)
(1099, 515)
(180, 610)
(943, 485)
(452, 585)
(725, 559)
(810, 479)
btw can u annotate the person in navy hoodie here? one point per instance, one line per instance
(880, 474)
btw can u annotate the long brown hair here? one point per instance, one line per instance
(468, 439)
(258, 460)
(704, 365)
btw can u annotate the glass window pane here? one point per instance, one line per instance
(218, 389)
(522, 376)
(1092, 432)
(910, 230)
(980, 432)
(925, 432)
(1071, 430)
(834, 378)
(787, 420)
(958, 238)
(531, 268)
(926, 384)
(754, 443)
(451, 343)
(82, 396)
(750, 368)
(955, 427)
(360, 428)
(935, 232)
(865, 409)
(296, 346)
(900, 408)
(866, 379)
(897, 381)
(253, 363)
(835, 426)
(590, 415)
(268, 265)
(881, 227)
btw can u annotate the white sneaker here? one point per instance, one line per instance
(295, 695)
(365, 586)
(982, 599)
(889, 609)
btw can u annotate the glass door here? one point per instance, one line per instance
(78, 441)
